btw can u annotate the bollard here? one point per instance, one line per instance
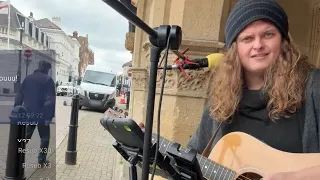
(128, 100)
(15, 158)
(71, 153)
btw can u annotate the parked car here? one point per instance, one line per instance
(66, 88)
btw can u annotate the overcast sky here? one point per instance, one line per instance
(105, 27)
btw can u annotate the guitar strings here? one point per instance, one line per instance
(242, 176)
(239, 175)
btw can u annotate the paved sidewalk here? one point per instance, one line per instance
(96, 156)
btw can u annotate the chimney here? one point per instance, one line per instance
(75, 34)
(57, 21)
(31, 18)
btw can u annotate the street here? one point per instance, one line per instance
(59, 130)
(63, 114)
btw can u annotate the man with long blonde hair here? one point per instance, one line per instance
(264, 87)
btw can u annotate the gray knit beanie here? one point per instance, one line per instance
(248, 11)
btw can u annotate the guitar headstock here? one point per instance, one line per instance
(115, 113)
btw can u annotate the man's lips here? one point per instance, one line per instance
(259, 55)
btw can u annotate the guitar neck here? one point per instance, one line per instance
(210, 170)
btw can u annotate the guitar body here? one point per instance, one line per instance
(246, 155)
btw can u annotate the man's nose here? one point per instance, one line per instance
(257, 44)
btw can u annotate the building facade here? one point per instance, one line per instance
(85, 53)
(67, 49)
(126, 74)
(32, 36)
(24, 35)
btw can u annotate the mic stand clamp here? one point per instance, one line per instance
(134, 157)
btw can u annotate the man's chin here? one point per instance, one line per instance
(256, 70)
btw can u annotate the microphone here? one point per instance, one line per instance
(211, 61)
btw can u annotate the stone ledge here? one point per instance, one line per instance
(202, 43)
(195, 45)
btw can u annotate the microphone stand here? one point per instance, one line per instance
(158, 37)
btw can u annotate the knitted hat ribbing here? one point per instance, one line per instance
(248, 11)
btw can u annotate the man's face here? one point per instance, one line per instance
(258, 46)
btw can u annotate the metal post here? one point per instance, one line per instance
(128, 99)
(16, 145)
(18, 83)
(71, 153)
(27, 66)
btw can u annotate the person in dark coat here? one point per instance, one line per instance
(38, 95)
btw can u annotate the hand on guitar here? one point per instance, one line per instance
(141, 125)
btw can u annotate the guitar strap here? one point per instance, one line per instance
(207, 151)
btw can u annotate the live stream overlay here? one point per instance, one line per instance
(9, 86)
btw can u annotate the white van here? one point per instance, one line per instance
(98, 88)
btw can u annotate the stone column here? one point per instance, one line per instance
(315, 40)
(183, 100)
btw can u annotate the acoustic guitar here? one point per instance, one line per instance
(239, 156)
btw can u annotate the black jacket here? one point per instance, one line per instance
(37, 94)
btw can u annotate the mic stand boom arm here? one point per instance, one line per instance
(159, 38)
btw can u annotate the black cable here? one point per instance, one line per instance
(160, 103)
(160, 63)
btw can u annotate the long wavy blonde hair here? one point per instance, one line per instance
(284, 83)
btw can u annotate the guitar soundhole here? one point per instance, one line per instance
(249, 176)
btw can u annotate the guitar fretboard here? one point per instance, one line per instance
(210, 170)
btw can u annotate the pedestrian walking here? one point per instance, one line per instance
(38, 95)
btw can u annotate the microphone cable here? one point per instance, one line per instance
(165, 58)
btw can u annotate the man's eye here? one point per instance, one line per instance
(248, 38)
(268, 35)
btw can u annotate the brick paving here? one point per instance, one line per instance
(96, 156)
